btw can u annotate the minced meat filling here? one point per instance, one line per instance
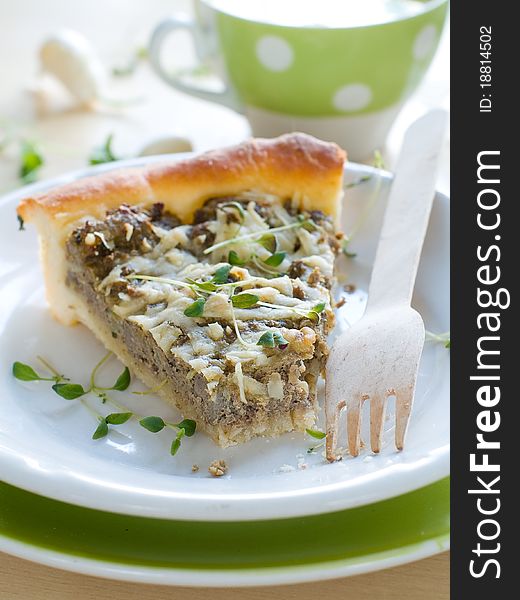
(238, 300)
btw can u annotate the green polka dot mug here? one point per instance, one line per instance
(338, 69)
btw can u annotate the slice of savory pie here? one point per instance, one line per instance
(209, 278)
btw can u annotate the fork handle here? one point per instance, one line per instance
(407, 213)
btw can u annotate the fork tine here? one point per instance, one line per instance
(332, 431)
(403, 408)
(377, 417)
(354, 424)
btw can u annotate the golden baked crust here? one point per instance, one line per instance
(293, 165)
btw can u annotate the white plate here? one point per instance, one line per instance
(45, 441)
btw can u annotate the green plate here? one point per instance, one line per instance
(224, 553)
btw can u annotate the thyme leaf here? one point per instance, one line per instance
(25, 372)
(118, 418)
(314, 314)
(244, 300)
(176, 444)
(276, 259)
(272, 339)
(221, 275)
(101, 430)
(268, 241)
(319, 435)
(188, 425)
(262, 237)
(123, 381)
(31, 161)
(195, 309)
(234, 259)
(307, 224)
(153, 424)
(103, 154)
(69, 391)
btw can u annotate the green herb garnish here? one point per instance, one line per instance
(195, 309)
(221, 275)
(312, 449)
(140, 54)
(153, 390)
(20, 223)
(101, 430)
(123, 381)
(345, 248)
(268, 241)
(188, 425)
(73, 391)
(314, 313)
(205, 286)
(276, 259)
(441, 338)
(358, 181)
(25, 372)
(153, 424)
(176, 444)
(103, 154)
(234, 259)
(272, 339)
(264, 238)
(307, 224)
(118, 418)
(31, 161)
(69, 391)
(378, 161)
(244, 300)
(185, 428)
(319, 435)
(237, 207)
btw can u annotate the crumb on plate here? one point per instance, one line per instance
(286, 469)
(218, 468)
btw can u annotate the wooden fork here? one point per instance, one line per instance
(379, 355)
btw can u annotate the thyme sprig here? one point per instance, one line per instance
(345, 247)
(258, 235)
(243, 300)
(441, 338)
(31, 161)
(358, 181)
(318, 435)
(74, 391)
(103, 154)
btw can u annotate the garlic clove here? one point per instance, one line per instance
(69, 57)
(167, 145)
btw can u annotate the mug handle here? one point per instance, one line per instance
(161, 32)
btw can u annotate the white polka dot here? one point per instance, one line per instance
(274, 53)
(424, 42)
(354, 96)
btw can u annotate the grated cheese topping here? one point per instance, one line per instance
(224, 336)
